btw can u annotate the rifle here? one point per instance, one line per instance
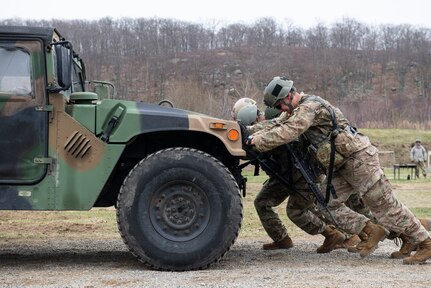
(303, 167)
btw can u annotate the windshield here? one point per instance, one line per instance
(78, 81)
(15, 71)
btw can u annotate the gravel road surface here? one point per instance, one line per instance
(107, 263)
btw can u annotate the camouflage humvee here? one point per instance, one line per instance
(172, 174)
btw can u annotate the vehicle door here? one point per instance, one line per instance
(23, 123)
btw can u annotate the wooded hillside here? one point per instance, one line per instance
(380, 76)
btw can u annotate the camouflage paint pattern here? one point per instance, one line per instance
(62, 163)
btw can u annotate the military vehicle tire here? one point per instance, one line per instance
(179, 209)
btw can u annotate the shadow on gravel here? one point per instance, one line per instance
(68, 253)
(82, 258)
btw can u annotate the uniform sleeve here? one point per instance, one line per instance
(287, 130)
(260, 126)
(267, 124)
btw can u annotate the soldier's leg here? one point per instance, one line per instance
(407, 247)
(346, 219)
(300, 210)
(392, 214)
(356, 204)
(365, 175)
(349, 220)
(351, 240)
(272, 194)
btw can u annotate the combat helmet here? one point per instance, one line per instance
(248, 114)
(240, 104)
(276, 90)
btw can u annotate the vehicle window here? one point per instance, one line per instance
(15, 71)
(77, 81)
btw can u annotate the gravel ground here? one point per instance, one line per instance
(107, 263)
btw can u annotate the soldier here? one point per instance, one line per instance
(356, 161)
(299, 208)
(418, 155)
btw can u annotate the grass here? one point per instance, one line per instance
(97, 223)
(397, 136)
(398, 140)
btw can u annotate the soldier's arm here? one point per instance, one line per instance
(285, 131)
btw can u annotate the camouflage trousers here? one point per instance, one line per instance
(362, 174)
(299, 210)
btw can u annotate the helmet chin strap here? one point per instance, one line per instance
(290, 107)
(289, 104)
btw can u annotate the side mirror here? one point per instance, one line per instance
(64, 66)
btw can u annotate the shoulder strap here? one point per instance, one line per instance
(334, 132)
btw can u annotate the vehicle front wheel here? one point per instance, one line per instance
(179, 209)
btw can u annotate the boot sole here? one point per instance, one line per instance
(399, 256)
(366, 253)
(341, 240)
(353, 249)
(277, 248)
(414, 262)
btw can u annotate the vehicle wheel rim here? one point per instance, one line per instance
(180, 211)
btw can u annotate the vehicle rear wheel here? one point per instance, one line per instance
(179, 209)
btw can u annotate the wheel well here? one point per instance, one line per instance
(145, 144)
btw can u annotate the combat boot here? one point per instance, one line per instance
(333, 237)
(375, 233)
(422, 254)
(352, 241)
(405, 250)
(426, 223)
(355, 249)
(285, 243)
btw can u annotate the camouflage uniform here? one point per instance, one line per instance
(299, 208)
(359, 171)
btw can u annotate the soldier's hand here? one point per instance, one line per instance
(245, 136)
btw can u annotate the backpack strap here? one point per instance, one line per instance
(333, 134)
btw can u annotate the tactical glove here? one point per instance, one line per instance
(245, 136)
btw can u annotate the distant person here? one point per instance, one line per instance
(418, 155)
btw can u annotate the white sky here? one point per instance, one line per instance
(301, 13)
